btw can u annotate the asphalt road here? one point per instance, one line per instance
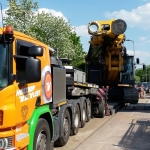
(147, 95)
(125, 130)
(92, 126)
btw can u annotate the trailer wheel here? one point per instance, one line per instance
(83, 120)
(42, 135)
(88, 110)
(61, 141)
(135, 101)
(101, 109)
(75, 128)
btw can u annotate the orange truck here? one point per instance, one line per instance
(42, 101)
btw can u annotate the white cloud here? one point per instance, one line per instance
(142, 55)
(136, 17)
(53, 12)
(142, 38)
(82, 31)
(130, 52)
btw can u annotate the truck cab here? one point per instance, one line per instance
(23, 90)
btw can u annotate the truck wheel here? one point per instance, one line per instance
(61, 141)
(88, 110)
(83, 121)
(42, 135)
(75, 128)
(134, 102)
(144, 95)
(101, 109)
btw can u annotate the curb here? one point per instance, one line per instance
(137, 107)
(114, 109)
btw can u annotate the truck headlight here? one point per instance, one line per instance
(119, 26)
(6, 143)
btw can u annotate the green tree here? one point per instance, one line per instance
(143, 74)
(79, 59)
(139, 72)
(51, 30)
(137, 78)
(21, 14)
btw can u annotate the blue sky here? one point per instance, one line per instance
(79, 13)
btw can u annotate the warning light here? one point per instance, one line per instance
(8, 34)
(9, 30)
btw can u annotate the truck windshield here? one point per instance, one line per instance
(3, 65)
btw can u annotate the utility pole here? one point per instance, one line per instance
(146, 74)
(133, 46)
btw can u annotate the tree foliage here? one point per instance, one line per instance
(54, 31)
(21, 14)
(139, 72)
(143, 74)
(79, 59)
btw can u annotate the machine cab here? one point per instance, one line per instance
(128, 67)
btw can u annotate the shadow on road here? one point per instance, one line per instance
(137, 136)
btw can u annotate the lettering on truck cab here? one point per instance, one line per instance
(27, 93)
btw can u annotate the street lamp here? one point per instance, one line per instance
(133, 45)
(146, 74)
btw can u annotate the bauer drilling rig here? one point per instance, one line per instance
(107, 61)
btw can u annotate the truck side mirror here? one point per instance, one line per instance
(137, 60)
(33, 70)
(35, 51)
(144, 67)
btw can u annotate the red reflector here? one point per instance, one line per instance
(107, 87)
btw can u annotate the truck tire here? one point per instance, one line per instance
(88, 110)
(135, 101)
(61, 141)
(101, 109)
(144, 95)
(76, 121)
(42, 135)
(83, 119)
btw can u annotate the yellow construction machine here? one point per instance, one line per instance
(107, 61)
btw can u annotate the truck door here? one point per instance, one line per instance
(26, 93)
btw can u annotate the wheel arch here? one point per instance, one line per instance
(47, 117)
(40, 112)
